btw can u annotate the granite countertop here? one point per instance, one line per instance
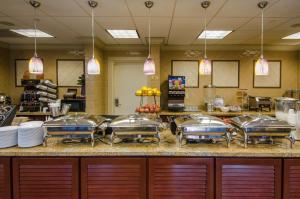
(167, 147)
(219, 113)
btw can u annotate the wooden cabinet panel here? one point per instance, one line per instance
(291, 176)
(45, 178)
(181, 178)
(113, 178)
(5, 181)
(248, 178)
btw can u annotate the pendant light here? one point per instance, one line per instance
(93, 67)
(205, 63)
(35, 63)
(261, 65)
(149, 65)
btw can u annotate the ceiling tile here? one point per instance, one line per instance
(226, 23)
(291, 9)
(18, 8)
(62, 8)
(160, 26)
(161, 8)
(115, 22)
(107, 8)
(192, 8)
(242, 8)
(255, 23)
(288, 25)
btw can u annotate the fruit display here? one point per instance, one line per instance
(148, 108)
(147, 91)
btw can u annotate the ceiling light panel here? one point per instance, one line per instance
(123, 34)
(31, 33)
(293, 36)
(214, 34)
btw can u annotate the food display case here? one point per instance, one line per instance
(263, 128)
(201, 127)
(137, 126)
(75, 127)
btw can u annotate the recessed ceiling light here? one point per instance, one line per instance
(214, 34)
(293, 36)
(123, 34)
(31, 32)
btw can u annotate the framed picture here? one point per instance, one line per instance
(273, 80)
(22, 72)
(225, 73)
(68, 72)
(189, 69)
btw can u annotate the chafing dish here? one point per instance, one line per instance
(260, 103)
(201, 127)
(262, 126)
(136, 126)
(78, 125)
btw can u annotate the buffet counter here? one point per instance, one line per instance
(217, 113)
(167, 147)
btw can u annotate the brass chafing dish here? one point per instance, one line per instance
(201, 127)
(135, 126)
(262, 127)
(75, 126)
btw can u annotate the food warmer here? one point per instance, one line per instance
(201, 128)
(262, 127)
(136, 126)
(75, 127)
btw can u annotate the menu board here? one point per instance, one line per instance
(176, 82)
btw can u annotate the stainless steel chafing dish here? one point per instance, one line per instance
(75, 125)
(261, 127)
(202, 127)
(136, 126)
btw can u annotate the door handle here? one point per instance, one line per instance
(117, 102)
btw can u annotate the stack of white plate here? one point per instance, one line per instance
(8, 136)
(30, 134)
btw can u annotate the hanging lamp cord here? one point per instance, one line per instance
(149, 33)
(93, 33)
(35, 26)
(262, 33)
(205, 33)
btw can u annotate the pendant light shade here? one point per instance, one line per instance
(93, 66)
(149, 65)
(205, 64)
(205, 67)
(261, 65)
(36, 65)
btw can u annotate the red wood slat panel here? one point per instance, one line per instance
(5, 192)
(181, 178)
(45, 178)
(291, 179)
(248, 178)
(113, 178)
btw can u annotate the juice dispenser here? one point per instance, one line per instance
(209, 97)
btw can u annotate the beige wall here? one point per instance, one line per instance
(195, 95)
(4, 71)
(49, 58)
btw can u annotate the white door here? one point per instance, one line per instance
(128, 77)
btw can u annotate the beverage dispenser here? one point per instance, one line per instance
(209, 97)
(176, 93)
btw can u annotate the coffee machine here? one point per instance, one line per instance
(176, 93)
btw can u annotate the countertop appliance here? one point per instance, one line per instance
(209, 97)
(201, 127)
(260, 103)
(135, 126)
(75, 127)
(263, 128)
(176, 93)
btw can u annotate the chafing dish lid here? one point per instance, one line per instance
(134, 120)
(198, 120)
(255, 121)
(81, 120)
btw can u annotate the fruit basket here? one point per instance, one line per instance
(148, 92)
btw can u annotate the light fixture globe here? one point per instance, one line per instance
(36, 65)
(205, 67)
(93, 67)
(149, 66)
(261, 67)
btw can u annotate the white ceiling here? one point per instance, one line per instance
(179, 22)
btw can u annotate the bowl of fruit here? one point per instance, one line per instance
(148, 108)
